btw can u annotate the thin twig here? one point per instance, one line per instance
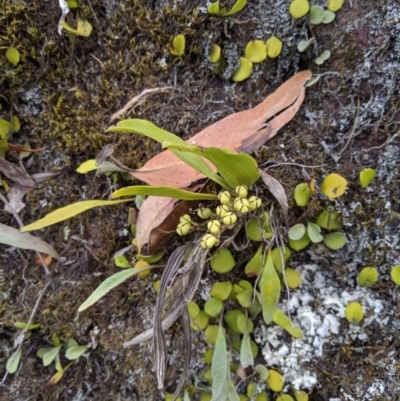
(351, 136)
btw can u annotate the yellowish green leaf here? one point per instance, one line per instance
(334, 186)
(83, 27)
(395, 274)
(366, 176)
(275, 380)
(274, 47)
(335, 240)
(270, 289)
(256, 51)
(13, 361)
(219, 367)
(75, 352)
(108, 284)
(335, 5)
(215, 53)
(88, 165)
(12, 55)
(222, 261)
(367, 277)
(178, 45)
(354, 312)
(69, 211)
(15, 123)
(244, 70)
(122, 262)
(299, 8)
(254, 266)
(282, 320)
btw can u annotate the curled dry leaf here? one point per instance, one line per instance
(277, 190)
(13, 172)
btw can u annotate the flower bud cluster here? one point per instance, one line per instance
(232, 205)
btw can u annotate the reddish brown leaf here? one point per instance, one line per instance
(244, 131)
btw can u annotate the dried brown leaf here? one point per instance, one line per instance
(244, 131)
(13, 172)
(277, 190)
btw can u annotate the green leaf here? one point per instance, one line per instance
(178, 45)
(280, 256)
(219, 366)
(168, 192)
(282, 320)
(122, 262)
(50, 355)
(367, 276)
(256, 51)
(71, 343)
(88, 165)
(13, 361)
(316, 15)
(244, 71)
(110, 283)
(335, 240)
(13, 237)
(213, 8)
(235, 168)
(313, 231)
(262, 372)
(151, 258)
(75, 352)
(83, 27)
(22, 325)
(222, 261)
(296, 232)
(328, 17)
(65, 213)
(246, 354)
(254, 266)
(274, 47)
(328, 219)
(149, 130)
(270, 290)
(354, 312)
(43, 351)
(12, 55)
(213, 307)
(238, 6)
(230, 390)
(366, 176)
(395, 274)
(302, 194)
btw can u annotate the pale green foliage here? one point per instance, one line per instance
(366, 176)
(367, 276)
(178, 45)
(395, 274)
(219, 365)
(12, 55)
(222, 261)
(238, 6)
(302, 194)
(299, 8)
(275, 380)
(335, 240)
(354, 312)
(320, 60)
(13, 361)
(244, 70)
(256, 51)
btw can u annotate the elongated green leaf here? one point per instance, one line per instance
(270, 289)
(13, 237)
(282, 320)
(110, 283)
(235, 168)
(50, 355)
(148, 129)
(168, 192)
(57, 364)
(71, 343)
(75, 352)
(13, 361)
(219, 367)
(43, 351)
(230, 390)
(246, 354)
(69, 211)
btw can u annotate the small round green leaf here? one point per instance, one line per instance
(222, 261)
(244, 70)
(221, 290)
(335, 5)
(367, 277)
(193, 310)
(274, 47)
(395, 274)
(299, 8)
(299, 244)
(328, 219)
(354, 312)
(296, 232)
(313, 231)
(256, 51)
(211, 333)
(178, 45)
(293, 278)
(213, 307)
(245, 298)
(285, 397)
(215, 53)
(275, 380)
(335, 240)
(334, 186)
(366, 176)
(328, 17)
(254, 265)
(280, 254)
(12, 55)
(208, 356)
(262, 372)
(316, 15)
(302, 194)
(201, 322)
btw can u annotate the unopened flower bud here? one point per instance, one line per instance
(241, 191)
(224, 197)
(183, 228)
(185, 219)
(222, 210)
(204, 213)
(208, 241)
(254, 202)
(229, 219)
(241, 205)
(214, 226)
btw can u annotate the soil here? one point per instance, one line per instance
(64, 92)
